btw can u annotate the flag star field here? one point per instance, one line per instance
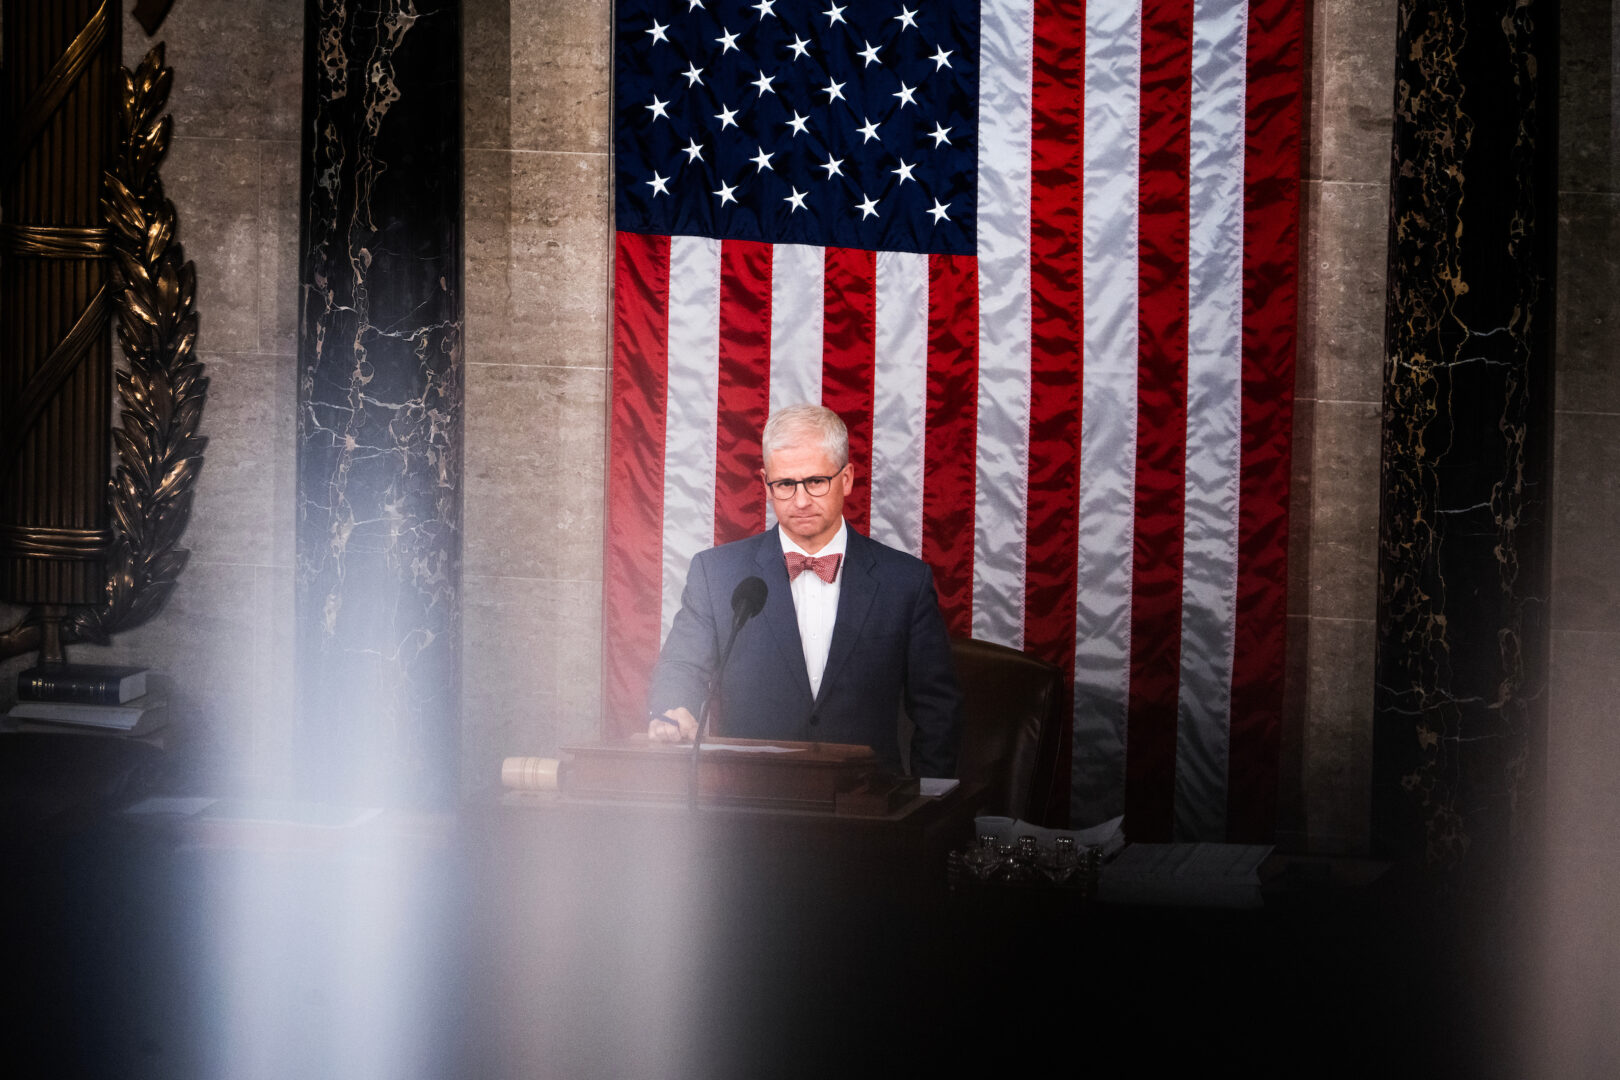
(835, 125)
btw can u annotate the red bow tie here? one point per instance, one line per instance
(824, 566)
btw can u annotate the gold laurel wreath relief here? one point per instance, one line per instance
(162, 391)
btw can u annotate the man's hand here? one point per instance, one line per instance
(676, 725)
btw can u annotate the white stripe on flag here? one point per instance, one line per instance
(690, 428)
(798, 296)
(1108, 417)
(900, 400)
(1000, 519)
(1214, 414)
(798, 290)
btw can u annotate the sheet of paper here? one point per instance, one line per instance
(753, 749)
(935, 786)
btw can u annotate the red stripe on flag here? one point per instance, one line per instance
(949, 442)
(1057, 168)
(744, 388)
(1270, 261)
(1056, 352)
(1161, 457)
(849, 364)
(632, 589)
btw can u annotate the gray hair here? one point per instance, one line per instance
(797, 424)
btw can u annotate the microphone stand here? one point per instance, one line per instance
(708, 707)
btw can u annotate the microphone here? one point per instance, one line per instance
(747, 600)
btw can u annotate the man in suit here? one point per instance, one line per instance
(850, 631)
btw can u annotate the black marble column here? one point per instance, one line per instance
(1460, 704)
(380, 401)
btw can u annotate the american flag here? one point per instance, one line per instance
(1041, 258)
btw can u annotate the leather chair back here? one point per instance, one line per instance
(1015, 709)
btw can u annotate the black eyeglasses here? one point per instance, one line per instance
(814, 486)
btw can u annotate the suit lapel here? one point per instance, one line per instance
(855, 598)
(779, 614)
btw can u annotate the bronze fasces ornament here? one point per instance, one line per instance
(161, 390)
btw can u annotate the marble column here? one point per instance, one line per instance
(378, 593)
(1460, 704)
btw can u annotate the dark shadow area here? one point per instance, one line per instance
(511, 942)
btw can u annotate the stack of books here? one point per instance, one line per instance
(86, 697)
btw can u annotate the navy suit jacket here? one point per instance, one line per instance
(889, 650)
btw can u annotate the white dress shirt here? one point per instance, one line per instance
(815, 602)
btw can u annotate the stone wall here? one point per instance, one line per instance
(1584, 740)
(1332, 594)
(539, 239)
(1579, 933)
